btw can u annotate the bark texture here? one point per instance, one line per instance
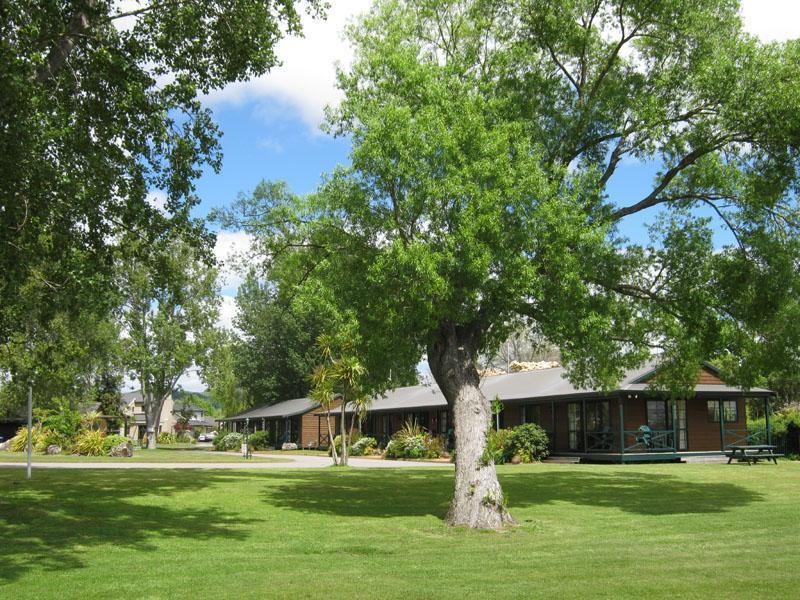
(477, 498)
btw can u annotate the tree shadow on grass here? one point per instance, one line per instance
(396, 493)
(47, 523)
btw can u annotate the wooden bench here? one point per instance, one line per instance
(753, 453)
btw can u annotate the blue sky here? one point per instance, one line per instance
(271, 129)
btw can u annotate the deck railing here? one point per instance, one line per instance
(745, 437)
(658, 440)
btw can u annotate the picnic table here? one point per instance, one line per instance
(753, 453)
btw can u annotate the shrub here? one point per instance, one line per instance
(50, 437)
(19, 443)
(66, 421)
(337, 441)
(496, 445)
(436, 447)
(112, 441)
(166, 438)
(415, 447)
(363, 446)
(89, 442)
(528, 441)
(184, 437)
(412, 441)
(259, 440)
(229, 441)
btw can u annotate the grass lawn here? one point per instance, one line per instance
(159, 455)
(672, 531)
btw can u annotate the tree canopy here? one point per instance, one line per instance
(100, 107)
(484, 137)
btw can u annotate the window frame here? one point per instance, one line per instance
(714, 416)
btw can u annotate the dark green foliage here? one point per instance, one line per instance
(94, 117)
(259, 440)
(277, 350)
(528, 441)
(64, 421)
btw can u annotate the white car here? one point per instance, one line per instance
(207, 437)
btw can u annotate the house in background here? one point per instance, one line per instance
(629, 423)
(196, 416)
(133, 411)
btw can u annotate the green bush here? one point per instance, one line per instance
(785, 426)
(229, 441)
(496, 441)
(19, 443)
(112, 441)
(50, 437)
(337, 441)
(436, 447)
(412, 441)
(166, 438)
(259, 440)
(65, 421)
(363, 446)
(89, 442)
(184, 437)
(528, 441)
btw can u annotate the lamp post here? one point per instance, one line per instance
(30, 426)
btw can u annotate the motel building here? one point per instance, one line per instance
(631, 423)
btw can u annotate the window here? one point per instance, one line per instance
(532, 413)
(574, 425)
(658, 415)
(729, 408)
(597, 416)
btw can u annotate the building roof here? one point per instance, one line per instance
(287, 408)
(539, 385)
(543, 384)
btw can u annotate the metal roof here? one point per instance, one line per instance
(544, 384)
(287, 408)
(540, 385)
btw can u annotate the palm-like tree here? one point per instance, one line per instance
(339, 376)
(323, 393)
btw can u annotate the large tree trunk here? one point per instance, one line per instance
(478, 498)
(152, 416)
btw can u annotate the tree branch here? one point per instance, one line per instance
(654, 197)
(78, 25)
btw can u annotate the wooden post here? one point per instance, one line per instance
(583, 426)
(721, 425)
(621, 428)
(766, 418)
(675, 425)
(553, 423)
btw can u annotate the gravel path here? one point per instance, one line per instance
(287, 462)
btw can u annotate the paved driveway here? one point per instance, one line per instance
(295, 461)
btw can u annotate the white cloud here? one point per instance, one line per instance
(772, 20)
(306, 81)
(227, 312)
(191, 382)
(158, 200)
(231, 249)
